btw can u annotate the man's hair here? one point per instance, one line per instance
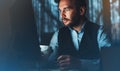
(78, 3)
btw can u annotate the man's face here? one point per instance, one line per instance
(68, 12)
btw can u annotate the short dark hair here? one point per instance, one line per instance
(78, 3)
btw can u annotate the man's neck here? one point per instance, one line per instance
(78, 27)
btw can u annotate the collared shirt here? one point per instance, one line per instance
(102, 40)
(77, 36)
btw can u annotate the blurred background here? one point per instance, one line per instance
(25, 24)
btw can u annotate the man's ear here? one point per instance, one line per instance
(82, 11)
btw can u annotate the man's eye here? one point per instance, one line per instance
(67, 9)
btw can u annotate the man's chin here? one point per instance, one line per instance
(69, 25)
(66, 24)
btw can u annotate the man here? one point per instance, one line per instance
(77, 45)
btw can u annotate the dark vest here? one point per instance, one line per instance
(88, 48)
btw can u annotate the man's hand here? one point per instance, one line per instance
(68, 62)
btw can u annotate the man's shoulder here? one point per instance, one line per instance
(92, 25)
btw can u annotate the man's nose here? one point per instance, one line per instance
(63, 15)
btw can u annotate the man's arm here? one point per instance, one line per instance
(63, 61)
(53, 46)
(103, 38)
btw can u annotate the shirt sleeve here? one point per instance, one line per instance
(53, 45)
(102, 38)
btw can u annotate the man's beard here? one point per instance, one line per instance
(75, 21)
